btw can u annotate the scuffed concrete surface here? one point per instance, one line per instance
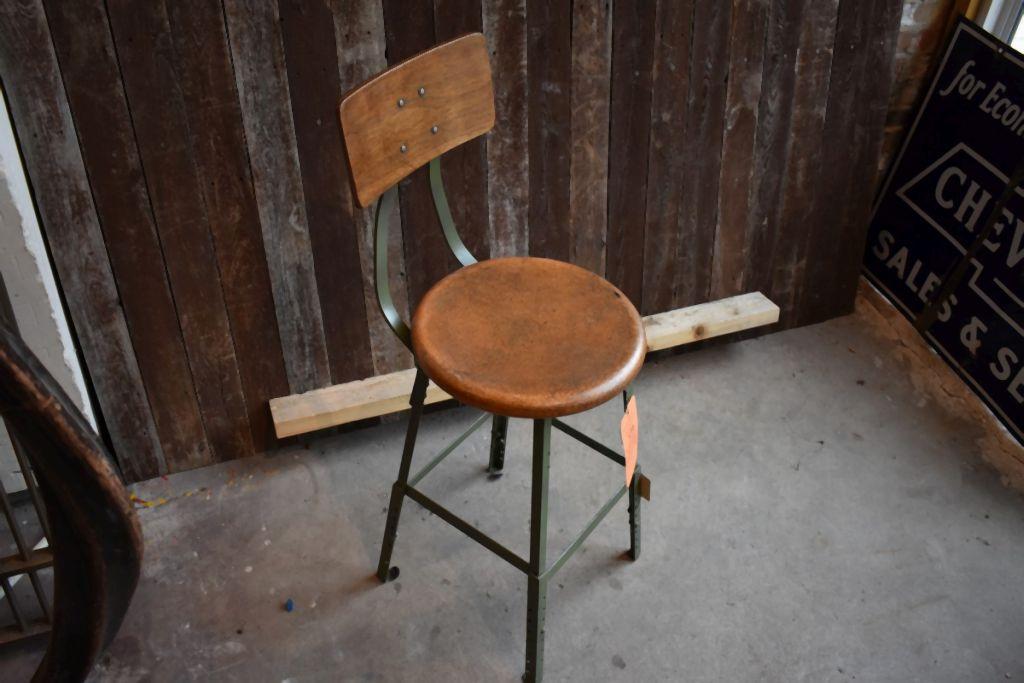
(822, 511)
(935, 382)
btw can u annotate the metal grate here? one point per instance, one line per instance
(31, 558)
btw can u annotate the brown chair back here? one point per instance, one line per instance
(417, 110)
(95, 535)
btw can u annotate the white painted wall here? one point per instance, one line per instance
(30, 283)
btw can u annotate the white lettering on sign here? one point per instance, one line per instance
(1003, 367)
(995, 104)
(972, 205)
(920, 281)
(940, 187)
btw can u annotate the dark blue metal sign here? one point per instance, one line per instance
(946, 242)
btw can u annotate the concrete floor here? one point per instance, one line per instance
(819, 513)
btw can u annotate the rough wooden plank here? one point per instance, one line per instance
(738, 182)
(762, 149)
(801, 202)
(362, 399)
(854, 125)
(669, 154)
(409, 28)
(633, 41)
(258, 58)
(712, 319)
(705, 123)
(549, 132)
(85, 49)
(359, 38)
(145, 50)
(591, 92)
(771, 143)
(465, 167)
(307, 29)
(56, 170)
(349, 402)
(207, 82)
(508, 163)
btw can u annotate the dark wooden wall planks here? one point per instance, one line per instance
(189, 173)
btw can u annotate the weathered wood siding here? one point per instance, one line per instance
(190, 175)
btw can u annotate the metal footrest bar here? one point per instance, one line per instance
(574, 546)
(468, 529)
(500, 550)
(588, 441)
(447, 451)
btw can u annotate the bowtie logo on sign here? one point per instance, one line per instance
(952, 195)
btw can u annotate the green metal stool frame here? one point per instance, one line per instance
(536, 567)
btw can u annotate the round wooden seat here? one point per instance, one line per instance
(528, 337)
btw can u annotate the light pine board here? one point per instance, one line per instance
(685, 166)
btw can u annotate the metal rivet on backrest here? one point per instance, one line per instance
(433, 130)
(401, 101)
(404, 148)
(422, 91)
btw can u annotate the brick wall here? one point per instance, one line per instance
(921, 39)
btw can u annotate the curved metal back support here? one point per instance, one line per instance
(95, 535)
(385, 205)
(444, 214)
(404, 118)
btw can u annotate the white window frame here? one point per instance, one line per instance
(1000, 17)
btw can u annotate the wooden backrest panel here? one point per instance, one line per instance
(446, 89)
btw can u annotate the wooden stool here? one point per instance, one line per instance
(515, 337)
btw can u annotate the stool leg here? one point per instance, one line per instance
(634, 497)
(634, 516)
(419, 391)
(499, 430)
(537, 588)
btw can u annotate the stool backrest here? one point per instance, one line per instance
(415, 111)
(94, 533)
(404, 118)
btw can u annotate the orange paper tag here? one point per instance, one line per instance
(630, 428)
